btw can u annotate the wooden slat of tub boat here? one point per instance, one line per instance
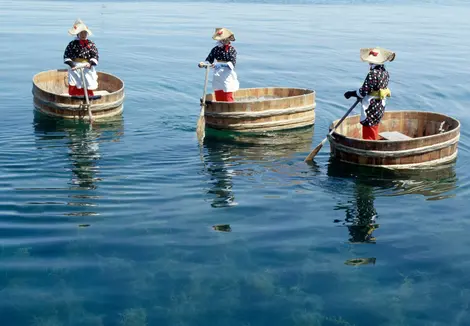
(51, 98)
(262, 109)
(263, 123)
(74, 114)
(433, 139)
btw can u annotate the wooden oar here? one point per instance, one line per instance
(86, 95)
(201, 123)
(317, 149)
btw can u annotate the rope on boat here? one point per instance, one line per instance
(267, 113)
(394, 154)
(247, 126)
(81, 106)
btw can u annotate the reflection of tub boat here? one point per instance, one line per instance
(229, 155)
(82, 143)
(268, 145)
(433, 182)
(409, 139)
(262, 109)
(50, 90)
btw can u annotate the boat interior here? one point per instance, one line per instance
(265, 94)
(401, 125)
(56, 82)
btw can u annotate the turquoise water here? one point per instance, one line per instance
(113, 225)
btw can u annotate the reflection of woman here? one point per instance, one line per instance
(362, 215)
(221, 176)
(81, 53)
(84, 154)
(82, 142)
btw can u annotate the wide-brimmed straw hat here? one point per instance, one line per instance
(79, 26)
(222, 33)
(377, 55)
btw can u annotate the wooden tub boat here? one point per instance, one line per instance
(409, 139)
(262, 109)
(50, 91)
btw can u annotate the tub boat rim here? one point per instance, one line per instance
(309, 91)
(38, 85)
(397, 141)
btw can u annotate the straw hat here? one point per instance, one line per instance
(377, 55)
(78, 27)
(221, 33)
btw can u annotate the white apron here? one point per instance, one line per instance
(225, 78)
(91, 77)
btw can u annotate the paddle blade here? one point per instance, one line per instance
(201, 127)
(314, 152)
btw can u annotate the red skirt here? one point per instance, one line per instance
(370, 133)
(223, 96)
(74, 91)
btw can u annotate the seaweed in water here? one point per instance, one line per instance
(133, 317)
(222, 227)
(360, 261)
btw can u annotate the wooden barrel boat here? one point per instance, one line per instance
(409, 139)
(262, 109)
(50, 91)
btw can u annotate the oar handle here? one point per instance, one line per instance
(344, 116)
(206, 79)
(85, 88)
(87, 98)
(201, 123)
(317, 149)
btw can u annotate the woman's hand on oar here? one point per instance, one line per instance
(80, 66)
(317, 149)
(205, 65)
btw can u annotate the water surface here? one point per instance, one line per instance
(113, 225)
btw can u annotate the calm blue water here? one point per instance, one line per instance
(113, 225)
